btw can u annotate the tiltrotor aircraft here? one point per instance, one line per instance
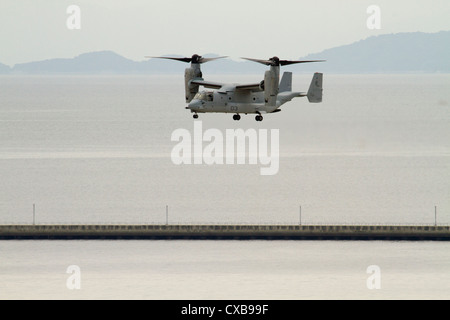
(266, 96)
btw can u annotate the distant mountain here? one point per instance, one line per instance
(4, 69)
(391, 53)
(415, 52)
(87, 63)
(109, 62)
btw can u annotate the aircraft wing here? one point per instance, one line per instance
(208, 84)
(219, 85)
(251, 87)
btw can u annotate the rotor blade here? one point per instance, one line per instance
(193, 59)
(187, 60)
(204, 60)
(266, 62)
(288, 62)
(277, 62)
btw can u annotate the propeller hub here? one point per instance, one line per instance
(275, 61)
(196, 58)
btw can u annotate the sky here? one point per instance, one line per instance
(32, 30)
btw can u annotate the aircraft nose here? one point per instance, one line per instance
(195, 104)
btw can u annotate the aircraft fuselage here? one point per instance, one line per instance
(236, 101)
(227, 101)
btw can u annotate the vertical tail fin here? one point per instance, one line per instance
(286, 82)
(315, 89)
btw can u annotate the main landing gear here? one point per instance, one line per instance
(195, 116)
(237, 117)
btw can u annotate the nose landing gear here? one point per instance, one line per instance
(237, 117)
(259, 117)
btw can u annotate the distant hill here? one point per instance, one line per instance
(391, 53)
(414, 52)
(4, 69)
(87, 63)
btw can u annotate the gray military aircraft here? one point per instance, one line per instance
(259, 98)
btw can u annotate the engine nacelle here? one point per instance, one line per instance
(190, 89)
(271, 79)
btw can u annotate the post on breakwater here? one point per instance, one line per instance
(435, 215)
(300, 215)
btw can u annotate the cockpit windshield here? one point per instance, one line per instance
(205, 96)
(200, 96)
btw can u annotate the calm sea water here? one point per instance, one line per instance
(97, 150)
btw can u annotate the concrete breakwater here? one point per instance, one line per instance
(226, 232)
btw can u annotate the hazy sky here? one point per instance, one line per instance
(33, 30)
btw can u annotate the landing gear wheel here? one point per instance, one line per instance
(259, 118)
(236, 117)
(195, 116)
